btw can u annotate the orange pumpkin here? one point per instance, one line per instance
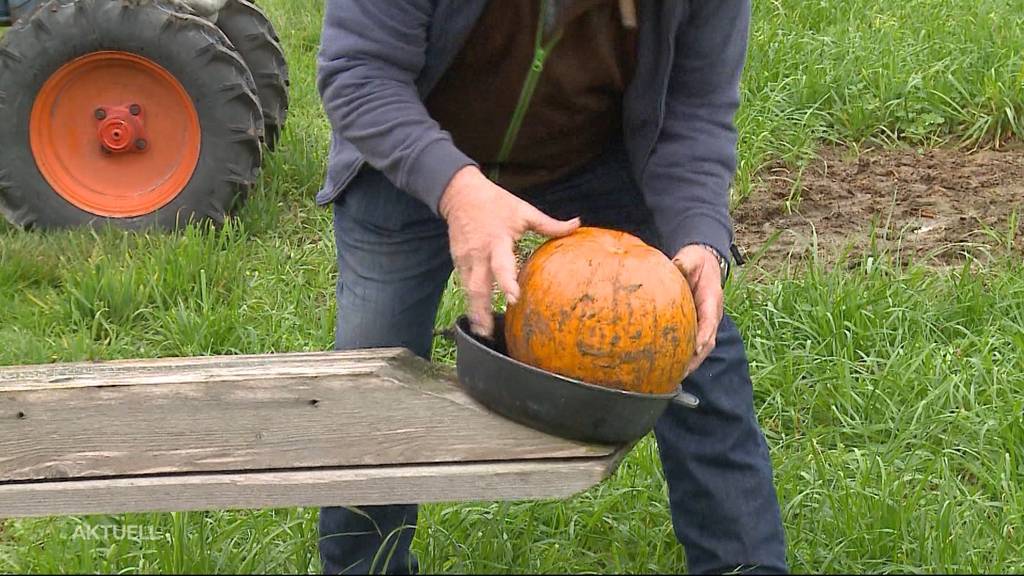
(605, 308)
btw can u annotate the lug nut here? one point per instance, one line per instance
(100, 113)
(141, 144)
(135, 109)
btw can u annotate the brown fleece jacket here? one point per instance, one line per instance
(577, 106)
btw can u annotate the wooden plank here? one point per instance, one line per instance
(497, 481)
(251, 413)
(212, 368)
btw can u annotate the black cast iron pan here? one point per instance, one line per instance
(549, 402)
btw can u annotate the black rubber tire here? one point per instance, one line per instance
(254, 37)
(193, 50)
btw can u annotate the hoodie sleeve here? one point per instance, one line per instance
(371, 54)
(690, 171)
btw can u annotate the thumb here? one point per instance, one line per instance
(543, 224)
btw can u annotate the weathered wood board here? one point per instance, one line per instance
(515, 480)
(360, 427)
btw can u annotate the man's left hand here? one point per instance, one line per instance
(699, 264)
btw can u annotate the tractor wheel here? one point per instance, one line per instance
(254, 37)
(123, 113)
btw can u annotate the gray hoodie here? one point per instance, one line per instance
(379, 59)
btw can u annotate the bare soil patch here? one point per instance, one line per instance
(934, 207)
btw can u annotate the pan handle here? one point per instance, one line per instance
(685, 399)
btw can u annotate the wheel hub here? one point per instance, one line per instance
(121, 129)
(95, 145)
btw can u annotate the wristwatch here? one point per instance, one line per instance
(723, 262)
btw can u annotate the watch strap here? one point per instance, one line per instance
(723, 261)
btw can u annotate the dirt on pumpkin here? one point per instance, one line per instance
(934, 207)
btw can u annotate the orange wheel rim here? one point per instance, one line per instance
(115, 134)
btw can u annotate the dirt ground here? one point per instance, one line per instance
(931, 207)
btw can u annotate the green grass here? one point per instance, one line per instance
(890, 398)
(890, 395)
(856, 72)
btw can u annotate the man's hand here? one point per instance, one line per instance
(699, 264)
(484, 223)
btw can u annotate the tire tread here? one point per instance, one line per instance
(253, 35)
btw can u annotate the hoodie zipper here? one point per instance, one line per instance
(541, 51)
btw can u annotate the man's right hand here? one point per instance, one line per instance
(484, 223)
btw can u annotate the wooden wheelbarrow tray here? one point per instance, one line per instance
(364, 427)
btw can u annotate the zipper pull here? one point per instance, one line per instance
(538, 60)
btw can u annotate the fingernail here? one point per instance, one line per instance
(479, 328)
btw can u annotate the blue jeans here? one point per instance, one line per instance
(394, 263)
